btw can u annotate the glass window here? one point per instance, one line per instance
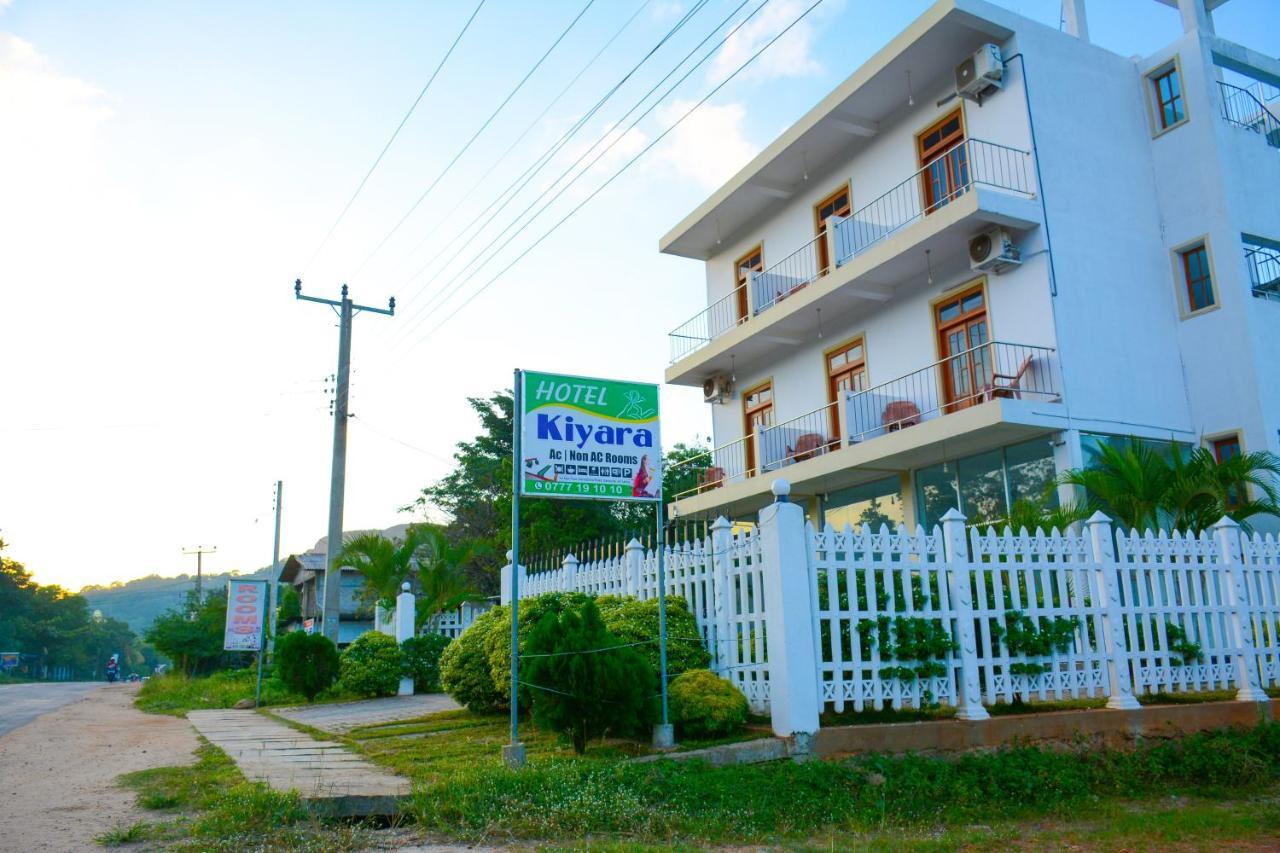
(936, 493)
(982, 488)
(1226, 448)
(1199, 283)
(1030, 469)
(1168, 97)
(875, 503)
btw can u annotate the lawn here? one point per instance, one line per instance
(176, 694)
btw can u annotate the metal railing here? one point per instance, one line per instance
(967, 164)
(727, 463)
(1264, 271)
(708, 324)
(1245, 108)
(808, 436)
(993, 370)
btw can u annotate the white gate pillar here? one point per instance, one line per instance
(570, 575)
(793, 669)
(405, 628)
(1248, 685)
(721, 595)
(504, 592)
(969, 702)
(632, 559)
(1115, 643)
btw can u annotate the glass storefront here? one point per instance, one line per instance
(985, 485)
(875, 503)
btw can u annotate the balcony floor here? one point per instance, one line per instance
(865, 280)
(976, 429)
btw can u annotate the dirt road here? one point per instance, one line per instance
(58, 772)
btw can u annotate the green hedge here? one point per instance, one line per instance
(464, 665)
(306, 663)
(704, 705)
(372, 665)
(422, 661)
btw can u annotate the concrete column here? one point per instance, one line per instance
(1068, 453)
(504, 591)
(383, 620)
(1195, 16)
(721, 595)
(969, 702)
(1074, 20)
(1107, 585)
(793, 670)
(405, 628)
(1248, 684)
(632, 562)
(570, 576)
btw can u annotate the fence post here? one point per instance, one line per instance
(721, 601)
(632, 560)
(1115, 642)
(969, 704)
(1248, 685)
(569, 579)
(404, 622)
(788, 613)
(504, 591)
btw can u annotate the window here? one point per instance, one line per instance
(961, 322)
(1196, 277)
(757, 415)
(836, 204)
(846, 371)
(944, 161)
(752, 261)
(1166, 94)
(875, 503)
(985, 485)
(1224, 448)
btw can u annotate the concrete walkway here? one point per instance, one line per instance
(329, 777)
(342, 717)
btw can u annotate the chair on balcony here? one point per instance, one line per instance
(710, 478)
(1009, 385)
(807, 446)
(899, 414)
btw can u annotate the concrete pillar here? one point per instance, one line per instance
(1074, 20)
(1068, 453)
(633, 562)
(504, 574)
(1114, 643)
(789, 615)
(1195, 16)
(1248, 684)
(721, 600)
(570, 577)
(969, 702)
(404, 622)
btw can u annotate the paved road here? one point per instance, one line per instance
(22, 703)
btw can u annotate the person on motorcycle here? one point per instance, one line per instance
(113, 668)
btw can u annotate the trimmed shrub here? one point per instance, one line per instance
(422, 661)
(704, 705)
(635, 621)
(586, 695)
(464, 665)
(497, 642)
(306, 663)
(371, 665)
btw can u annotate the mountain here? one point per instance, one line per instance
(138, 602)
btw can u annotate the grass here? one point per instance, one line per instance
(175, 694)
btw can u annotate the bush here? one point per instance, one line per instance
(464, 665)
(585, 695)
(635, 621)
(422, 661)
(704, 705)
(306, 663)
(371, 665)
(497, 642)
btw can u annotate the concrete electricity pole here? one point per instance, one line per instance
(346, 310)
(275, 570)
(200, 551)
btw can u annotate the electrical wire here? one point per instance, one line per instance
(616, 174)
(473, 138)
(394, 134)
(512, 190)
(496, 245)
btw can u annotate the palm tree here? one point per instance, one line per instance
(442, 579)
(384, 563)
(1128, 484)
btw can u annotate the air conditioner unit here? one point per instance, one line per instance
(980, 74)
(716, 389)
(993, 250)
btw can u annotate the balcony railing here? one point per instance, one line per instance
(968, 164)
(989, 371)
(1245, 108)
(1264, 271)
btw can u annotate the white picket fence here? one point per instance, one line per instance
(1121, 600)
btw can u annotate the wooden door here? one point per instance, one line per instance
(749, 263)
(757, 411)
(966, 361)
(944, 162)
(846, 371)
(836, 204)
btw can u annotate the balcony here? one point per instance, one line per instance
(937, 208)
(1246, 107)
(1264, 270)
(987, 396)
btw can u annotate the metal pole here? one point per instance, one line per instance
(513, 754)
(662, 622)
(337, 482)
(262, 643)
(273, 603)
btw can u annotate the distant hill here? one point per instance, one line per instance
(138, 602)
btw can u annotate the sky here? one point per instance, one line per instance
(167, 170)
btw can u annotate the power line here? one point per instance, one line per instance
(517, 186)
(394, 134)
(419, 315)
(626, 166)
(473, 138)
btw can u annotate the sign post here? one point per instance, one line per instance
(246, 618)
(593, 439)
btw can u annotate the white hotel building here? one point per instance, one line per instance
(992, 247)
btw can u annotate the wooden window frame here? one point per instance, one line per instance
(820, 224)
(957, 292)
(1211, 443)
(1150, 82)
(1181, 273)
(749, 451)
(745, 299)
(837, 413)
(924, 158)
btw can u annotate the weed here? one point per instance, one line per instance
(134, 832)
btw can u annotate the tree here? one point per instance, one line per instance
(383, 563)
(306, 663)
(442, 576)
(191, 636)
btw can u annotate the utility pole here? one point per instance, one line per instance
(346, 310)
(275, 570)
(200, 551)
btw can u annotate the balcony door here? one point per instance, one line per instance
(749, 263)
(966, 363)
(944, 162)
(846, 371)
(757, 413)
(836, 204)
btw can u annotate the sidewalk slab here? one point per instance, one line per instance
(342, 717)
(330, 778)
